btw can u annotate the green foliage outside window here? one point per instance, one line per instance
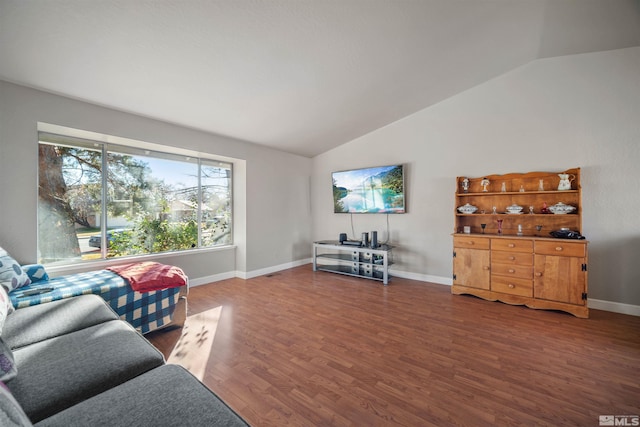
(164, 206)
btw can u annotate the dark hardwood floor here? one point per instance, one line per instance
(317, 349)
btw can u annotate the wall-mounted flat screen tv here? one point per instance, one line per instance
(369, 190)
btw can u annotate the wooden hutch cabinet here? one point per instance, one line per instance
(501, 255)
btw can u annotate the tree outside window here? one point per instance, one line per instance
(102, 201)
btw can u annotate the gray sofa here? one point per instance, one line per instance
(78, 364)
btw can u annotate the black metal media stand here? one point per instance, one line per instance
(358, 261)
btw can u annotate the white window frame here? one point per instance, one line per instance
(141, 148)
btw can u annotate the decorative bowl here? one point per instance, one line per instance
(560, 208)
(467, 209)
(514, 209)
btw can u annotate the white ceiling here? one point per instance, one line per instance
(302, 76)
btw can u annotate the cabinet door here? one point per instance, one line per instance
(471, 268)
(559, 278)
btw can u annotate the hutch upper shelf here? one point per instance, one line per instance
(535, 192)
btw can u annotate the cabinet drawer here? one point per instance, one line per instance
(512, 270)
(512, 245)
(518, 258)
(512, 285)
(470, 242)
(561, 248)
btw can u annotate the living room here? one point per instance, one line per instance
(536, 110)
(547, 114)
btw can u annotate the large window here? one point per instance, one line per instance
(98, 200)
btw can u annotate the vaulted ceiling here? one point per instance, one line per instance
(302, 76)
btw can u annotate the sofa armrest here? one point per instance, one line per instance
(36, 272)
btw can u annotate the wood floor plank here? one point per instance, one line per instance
(306, 348)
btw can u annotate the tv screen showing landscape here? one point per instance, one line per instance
(370, 190)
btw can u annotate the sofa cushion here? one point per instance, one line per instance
(40, 322)
(36, 272)
(8, 368)
(11, 414)
(59, 372)
(165, 396)
(11, 274)
(6, 307)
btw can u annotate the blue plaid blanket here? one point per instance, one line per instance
(146, 311)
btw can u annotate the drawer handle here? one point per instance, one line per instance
(511, 286)
(512, 258)
(471, 242)
(511, 270)
(511, 245)
(485, 268)
(559, 248)
(538, 274)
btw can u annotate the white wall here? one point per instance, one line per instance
(551, 114)
(271, 227)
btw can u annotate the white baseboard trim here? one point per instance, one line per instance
(422, 277)
(269, 270)
(246, 275)
(261, 272)
(213, 278)
(596, 304)
(616, 307)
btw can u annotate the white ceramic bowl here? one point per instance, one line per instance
(514, 209)
(467, 209)
(560, 208)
